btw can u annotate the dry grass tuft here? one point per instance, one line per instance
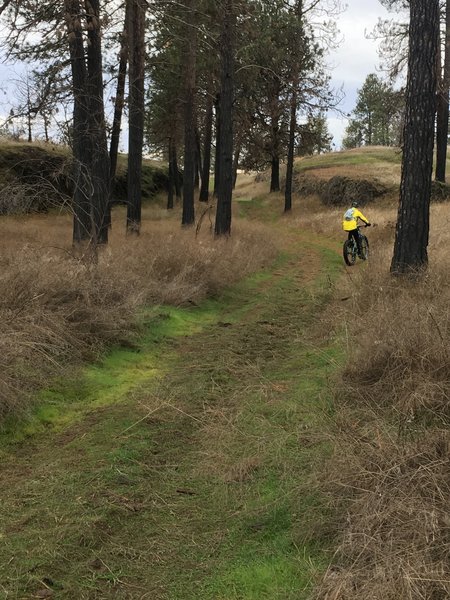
(56, 310)
(393, 501)
(389, 479)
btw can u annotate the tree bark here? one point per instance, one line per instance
(176, 173)
(225, 191)
(443, 105)
(29, 117)
(120, 95)
(207, 141)
(188, 216)
(136, 28)
(83, 230)
(293, 113)
(100, 166)
(46, 124)
(411, 239)
(291, 149)
(218, 146)
(198, 160)
(172, 175)
(275, 126)
(275, 174)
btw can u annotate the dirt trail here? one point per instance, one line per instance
(193, 485)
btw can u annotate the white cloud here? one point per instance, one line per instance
(356, 57)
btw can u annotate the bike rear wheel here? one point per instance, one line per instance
(349, 252)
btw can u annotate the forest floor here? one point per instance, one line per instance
(184, 467)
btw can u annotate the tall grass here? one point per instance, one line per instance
(388, 481)
(56, 310)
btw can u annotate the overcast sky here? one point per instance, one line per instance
(356, 57)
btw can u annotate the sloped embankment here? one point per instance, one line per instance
(37, 177)
(340, 190)
(364, 174)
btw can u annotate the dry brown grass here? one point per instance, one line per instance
(57, 310)
(389, 479)
(391, 501)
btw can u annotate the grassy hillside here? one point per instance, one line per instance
(369, 162)
(364, 174)
(35, 177)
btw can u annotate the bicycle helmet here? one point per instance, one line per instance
(355, 204)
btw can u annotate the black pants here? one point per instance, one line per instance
(354, 233)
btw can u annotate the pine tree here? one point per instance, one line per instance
(411, 239)
(225, 150)
(136, 33)
(377, 116)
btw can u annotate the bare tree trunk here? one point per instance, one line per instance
(100, 173)
(218, 145)
(291, 148)
(46, 123)
(198, 160)
(188, 216)
(83, 229)
(275, 142)
(443, 105)
(225, 191)
(176, 173)
(136, 28)
(172, 175)
(275, 174)
(29, 118)
(120, 95)
(207, 141)
(30, 131)
(411, 239)
(293, 111)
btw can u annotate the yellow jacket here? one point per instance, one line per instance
(350, 219)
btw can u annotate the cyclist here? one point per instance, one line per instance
(350, 224)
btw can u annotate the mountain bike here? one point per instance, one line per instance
(350, 249)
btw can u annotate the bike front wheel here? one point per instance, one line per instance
(364, 247)
(349, 253)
